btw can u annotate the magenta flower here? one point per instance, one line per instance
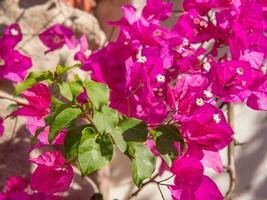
(39, 99)
(12, 35)
(213, 160)
(16, 187)
(84, 52)
(183, 97)
(2, 128)
(137, 82)
(157, 10)
(14, 65)
(38, 107)
(56, 36)
(207, 127)
(15, 184)
(190, 183)
(33, 124)
(195, 27)
(257, 97)
(232, 81)
(53, 174)
(204, 6)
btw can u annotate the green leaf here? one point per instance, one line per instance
(94, 152)
(37, 133)
(12, 107)
(62, 69)
(70, 90)
(56, 110)
(56, 103)
(143, 164)
(62, 120)
(33, 78)
(166, 136)
(118, 139)
(76, 88)
(106, 146)
(65, 90)
(106, 119)
(134, 130)
(72, 141)
(98, 93)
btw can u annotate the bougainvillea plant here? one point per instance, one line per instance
(155, 93)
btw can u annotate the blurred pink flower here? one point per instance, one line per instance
(56, 36)
(53, 174)
(14, 65)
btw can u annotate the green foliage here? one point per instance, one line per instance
(118, 139)
(32, 79)
(94, 151)
(106, 119)
(62, 69)
(92, 143)
(62, 120)
(98, 93)
(143, 163)
(165, 138)
(12, 107)
(72, 141)
(133, 130)
(70, 90)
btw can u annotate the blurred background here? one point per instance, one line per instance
(91, 16)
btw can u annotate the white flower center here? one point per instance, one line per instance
(160, 78)
(14, 32)
(157, 32)
(207, 66)
(87, 53)
(139, 57)
(216, 118)
(240, 71)
(207, 93)
(203, 23)
(185, 42)
(200, 102)
(179, 49)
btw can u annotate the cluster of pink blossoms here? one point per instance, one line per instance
(215, 53)
(157, 73)
(52, 175)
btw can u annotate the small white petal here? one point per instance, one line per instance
(216, 118)
(200, 102)
(14, 32)
(160, 78)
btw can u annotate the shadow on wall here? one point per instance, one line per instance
(27, 4)
(13, 163)
(249, 162)
(109, 10)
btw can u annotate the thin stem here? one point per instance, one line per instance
(86, 116)
(178, 11)
(144, 184)
(166, 179)
(161, 192)
(13, 136)
(10, 99)
(230, 156)
(111, 33)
